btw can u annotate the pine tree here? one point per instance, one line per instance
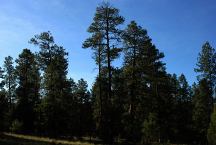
(206, 65)
(3, 104)
(202, 110)
(100, 116)
(54, 63)
(165, 107)
(95, 42)
(70, 104)
(10, 79)
(28, 77)
(106, 22)
(212, 129)
(134, 38)
(47, 46)
(118, 86)
(3, 111)
(150, 129)
(55, 84)
(183, 110)
(143, 72)
(84, 112)
(2, 83)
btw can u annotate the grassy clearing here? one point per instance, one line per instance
(18, 139)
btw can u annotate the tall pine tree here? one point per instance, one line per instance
(206, 65)
(27, 92)
(202, 102)
(106, 22)
(212, 129)
(144, 71)
(54, 63)
(10, 79)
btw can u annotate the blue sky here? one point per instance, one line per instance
(177, 27)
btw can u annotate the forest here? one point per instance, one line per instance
(137, 103)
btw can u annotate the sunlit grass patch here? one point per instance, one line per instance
(41, 140)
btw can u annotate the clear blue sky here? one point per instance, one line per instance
(177, 27)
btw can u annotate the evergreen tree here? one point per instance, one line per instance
(143, 72)
(2, 83)
(134, 38)
(106, 22)
(3, 112)
(119, 93)
(206, 65)
(183, 110)
(99, 88)
(27, 92)
(165, 107)
(10, 79)
(70, 119)
(47, 46)
(95, 42)
(55, 85)
(54, 63)
(84, 112)
(3, 104)
(212, 129)
(150, 129)
(202, 110)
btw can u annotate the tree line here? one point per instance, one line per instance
(139, 102)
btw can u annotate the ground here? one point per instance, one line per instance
(16, 139)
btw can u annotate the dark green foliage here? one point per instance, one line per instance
(105, 35)
(150, 129)
(144, 74)
(206, 65)
(183, 110)
(84, 109)
(54, 63)
(204, 92)
(27, 92)
(10, 79)
(202, 101)
(118, 101)
(3, 111)
(9, 83)
(2, 83)
(212, 129)
(139, 102)
(47, 46)
(3, 104)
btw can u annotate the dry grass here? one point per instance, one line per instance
(20, 139)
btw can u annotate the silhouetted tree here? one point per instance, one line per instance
(27, 92)
(150, 129)
(10, 79)
(84, 112)
(206, 65)
(106, 21)
(212, 129)
(144, 74)
(95, 42)
(3, 104)
(183, 110)
(202, 110)
(54, 63)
